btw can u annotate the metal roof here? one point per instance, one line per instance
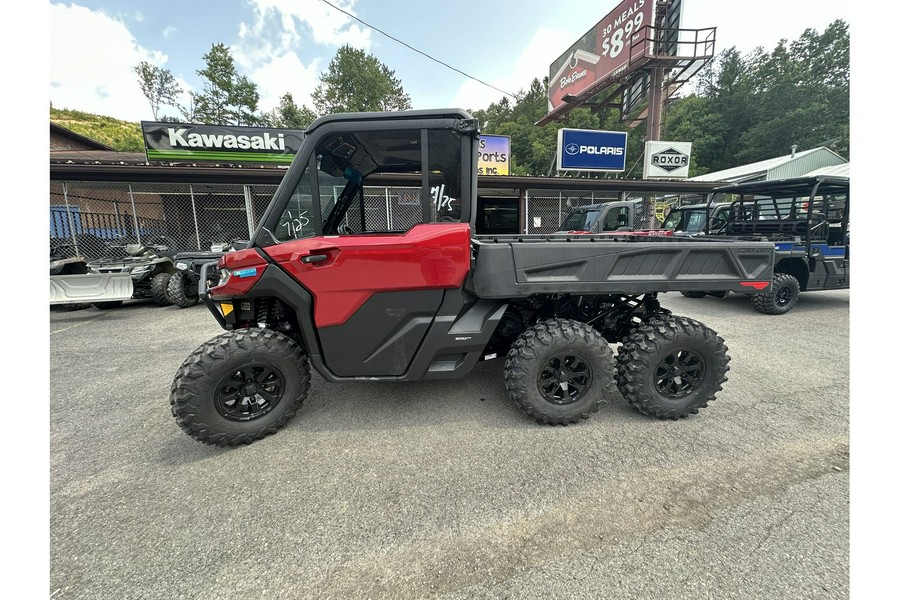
(782, 167)
(842, 170)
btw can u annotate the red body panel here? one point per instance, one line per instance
(431, 256)
(236, 262)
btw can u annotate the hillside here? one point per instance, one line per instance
(121, 135)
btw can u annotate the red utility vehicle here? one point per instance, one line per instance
(368, 284)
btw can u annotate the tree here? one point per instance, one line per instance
(289, 116)
(356, 81)
(213, 105)
(227, 98)
(158, 86)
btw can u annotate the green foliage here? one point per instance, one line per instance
(755, 107)
(227, 98)
(119, 135)
(158, 86)
(288, 115)
(356, 81)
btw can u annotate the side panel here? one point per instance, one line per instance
(375, 296)
(517, 269)
(354, 267)
(382, 337)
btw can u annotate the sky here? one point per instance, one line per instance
(285, 45)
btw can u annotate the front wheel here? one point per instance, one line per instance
(780, 297)
(240, 386)
(158, 285)
(671, 368)
(181, 291)
(559, 371)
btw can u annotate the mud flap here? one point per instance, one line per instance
(90, 288)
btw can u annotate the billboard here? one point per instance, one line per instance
(220, 143)
(493, 154)
(589, 150)
(603, 52)
(666, 160)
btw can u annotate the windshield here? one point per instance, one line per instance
(688, 220)
(580, 220)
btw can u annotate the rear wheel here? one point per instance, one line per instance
(672, 367)
(158, 288)
(559, 371)
(181, 291)
(780, 297)
(240, 386)
(693, 294)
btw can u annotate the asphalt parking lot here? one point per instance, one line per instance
(444, 489)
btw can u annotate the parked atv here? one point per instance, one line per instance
(150, 267)
(73, 287)
(184, 286)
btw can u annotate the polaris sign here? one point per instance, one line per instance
(667, 160)
(588, 150)
(183, 142)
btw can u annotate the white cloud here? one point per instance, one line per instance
(327, 26)
(92, 57)
(533, 62)
(285, 73)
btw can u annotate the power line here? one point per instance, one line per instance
(425, 54)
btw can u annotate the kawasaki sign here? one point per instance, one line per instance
(220, 143)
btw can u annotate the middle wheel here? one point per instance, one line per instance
(559, 371)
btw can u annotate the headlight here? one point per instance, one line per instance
(181, 266)
(224, 276)
(143, 269)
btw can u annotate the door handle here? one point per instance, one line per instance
(314, 258)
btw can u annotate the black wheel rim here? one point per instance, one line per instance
(783, 295)
(679, 373)
(250, 392)
(564, 378)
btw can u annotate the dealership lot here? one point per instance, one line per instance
(443, 489)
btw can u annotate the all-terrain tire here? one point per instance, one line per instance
(178, 293)
(108, 305)
(719, 294)
(693, 294)
(671, 367)
(158, 285)
(780, 297)
(240, 386)
(559, 371)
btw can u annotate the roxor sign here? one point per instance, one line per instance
(588, 150)
(220, 143)
(667, 160)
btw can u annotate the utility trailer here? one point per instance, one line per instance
(325, 283)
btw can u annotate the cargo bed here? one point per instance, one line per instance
(517, 266)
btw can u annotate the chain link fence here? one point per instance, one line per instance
(97, 219)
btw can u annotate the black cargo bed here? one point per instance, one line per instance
(517, 266)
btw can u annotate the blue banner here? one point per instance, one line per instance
(587, 150)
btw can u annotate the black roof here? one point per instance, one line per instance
(797, 186)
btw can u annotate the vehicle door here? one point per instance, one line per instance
(376, 256)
